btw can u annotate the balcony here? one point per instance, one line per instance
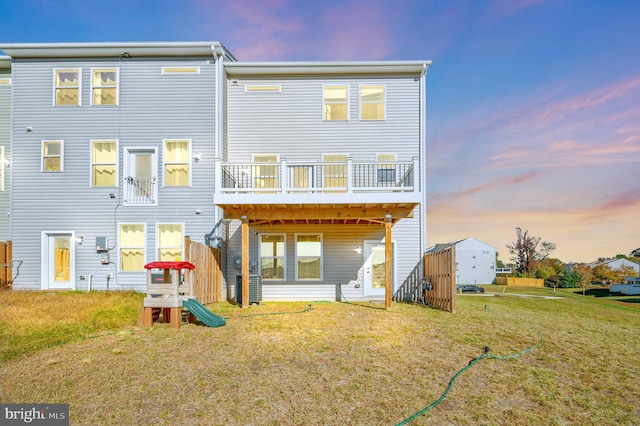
(139, 191)
(317, 182)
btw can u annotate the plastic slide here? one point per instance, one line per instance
(203, 314)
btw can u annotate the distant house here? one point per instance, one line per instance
(475, 261)
(616, 264)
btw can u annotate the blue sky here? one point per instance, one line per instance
(533, 105)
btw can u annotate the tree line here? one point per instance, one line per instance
(531, 258)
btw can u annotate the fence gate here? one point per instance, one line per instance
(207, 277)
(440, 270)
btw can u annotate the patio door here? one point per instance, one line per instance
(58, 261)
(374, 268)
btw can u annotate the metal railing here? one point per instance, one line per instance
(306, 177)
(139, 191)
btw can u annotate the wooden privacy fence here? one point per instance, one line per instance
(6, 265)
(440, 270)
(521, 282)
(207, 277)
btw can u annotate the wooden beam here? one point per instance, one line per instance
(245, 262)
(388, 262)
(268, 212)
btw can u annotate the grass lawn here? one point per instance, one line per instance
(336, 364)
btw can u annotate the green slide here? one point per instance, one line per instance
(203, 314)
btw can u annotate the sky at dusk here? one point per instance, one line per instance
(533, 114)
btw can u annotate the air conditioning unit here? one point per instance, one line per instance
(255, 289)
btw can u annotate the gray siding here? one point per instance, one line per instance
(5, 135)
(152, 107)
(290, 124)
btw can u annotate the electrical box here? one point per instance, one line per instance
(101, 244)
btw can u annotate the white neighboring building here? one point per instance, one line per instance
(475, 261)
(617, 263)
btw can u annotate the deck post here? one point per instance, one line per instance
(245, 262)
(388, 262)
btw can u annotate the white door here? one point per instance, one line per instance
(58, 261)
(374, 269)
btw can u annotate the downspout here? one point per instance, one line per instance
(423, 158)
(218, 55)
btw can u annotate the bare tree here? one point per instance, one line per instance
(526, 253)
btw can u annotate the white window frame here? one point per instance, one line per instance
(383, 178)
(126, 166)
(117, 85)
(42, 156)
(324, 103)
(326, 175)
(263, 88)
(257, 167)
(158, 247)
(179, 70)
(384, 101)
(120, 247)
(295, 242)
(284, 257)
(55, 87)
(116, 164)
(165, 162)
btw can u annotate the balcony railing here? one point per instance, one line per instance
(317, 177)
(139, 191)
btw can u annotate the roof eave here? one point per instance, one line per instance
(241, 69)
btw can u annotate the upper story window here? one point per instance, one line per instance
(262, 88)
(5, 81)
(67, 84)
(180, 70)
(104, 86)
(177, 162)
(372, 99)
(265, 176)
(272, 256)
(336, 102)
(52, 156)
(104, 163)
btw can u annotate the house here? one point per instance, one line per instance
(5, 137)
(475, 261)
(306, 174)
(617, 263)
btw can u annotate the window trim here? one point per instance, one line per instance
(56, 87)
(295, 248)
(158, 247)
(117, 86)
(348, 102)
(177, 70)
(42, 156)
(120, 247)
(284, 256)
(165, 163)
(384, 102)
(116, 164)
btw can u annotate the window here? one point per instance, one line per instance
(180, 70)
(170, 242)
(336, 103)
(67, 86)
(386, 173)
(104, 86)
(308, 257)
(272, 259)
(5, 81)
(131, 240)
(52, 156)
(372, 102)
(265, 176)
(262, 88)
(335, 175)
(104, 163)
(177, 162)
(140, 169)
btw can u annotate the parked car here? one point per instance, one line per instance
(467, 288)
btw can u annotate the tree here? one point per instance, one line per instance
(635, 255)
(499, 263)
(526, 253)
(579, 276)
